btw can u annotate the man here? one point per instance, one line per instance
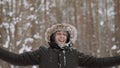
(60, 54)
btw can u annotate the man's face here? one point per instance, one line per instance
(60, 37)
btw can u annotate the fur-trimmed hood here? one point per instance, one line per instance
(64, 27)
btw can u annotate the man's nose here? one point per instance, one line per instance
(61, 35)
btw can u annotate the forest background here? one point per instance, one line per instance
(24, 22)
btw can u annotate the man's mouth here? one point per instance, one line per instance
(60, 40)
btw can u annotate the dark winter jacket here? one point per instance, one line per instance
(57, 58)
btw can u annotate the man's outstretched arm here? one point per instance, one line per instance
(94, 62)
(23, 59)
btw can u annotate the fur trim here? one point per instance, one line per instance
(64, 27)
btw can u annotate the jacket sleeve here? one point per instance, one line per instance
(23, 59)
(91, 62)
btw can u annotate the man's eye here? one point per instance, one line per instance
(65, 34)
